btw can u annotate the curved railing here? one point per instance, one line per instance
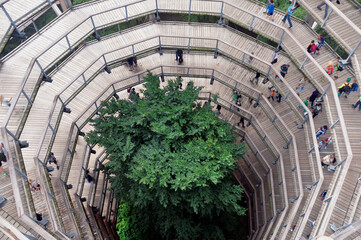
(227, 12)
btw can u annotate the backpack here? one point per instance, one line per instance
(3, 157)
(354, 87)
(283, 67)
(309, 48)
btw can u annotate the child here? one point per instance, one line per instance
(338, 66)
(329, 70)
(272, 95)
(320, 144)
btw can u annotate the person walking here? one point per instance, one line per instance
(328, 141)
(316, 110)
(2, 158)
(272, 95)
(345, 88)
(179, 56)
(234, 96)
(311, 48)
(320, 131)
(328, 160)
(284, 70)
(218, 110)
(301, 85)
(52, 159)
(256, 78)
(357, 103)
(130, 64)
(321, 144)
(278, 96)
(288, 16)
(329, 70)
(306, 103)
(338, 66)
(271, 9)
(275, 57)
(313, 97)
(241, 121)
(323, 194)
(326, 8)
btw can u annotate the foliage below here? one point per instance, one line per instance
(75, 2)
(127, 225)
(172, 159)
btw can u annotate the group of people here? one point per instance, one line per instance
(314, 47)
(274, 94)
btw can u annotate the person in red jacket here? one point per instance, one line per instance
(312, 47)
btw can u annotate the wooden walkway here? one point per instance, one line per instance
(63, 76)
(18, 11)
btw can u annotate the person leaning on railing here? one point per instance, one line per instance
(2, 158)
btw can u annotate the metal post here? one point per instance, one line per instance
(280, 41)
(157, 11)
(21, 34)
(303, 63)
(243, 57)
(326, 18)
(85, 82)
(212, 77)
(311, 149)
(133, 50)
(268, 72)
(251, 26)
(287, 94)
(126, 14)
(353, 51)
(67, 40)
(189, 44)
(288, 143)
(162, 74)
(274, 119)
(220, 21)
(34, 25)
(333, 125)
(216, 52)
(27, 97)
(95, 34)
(189, 11)
(324, 92)
(46, 78)
(52, 129)
(249, 122)
(160, 47)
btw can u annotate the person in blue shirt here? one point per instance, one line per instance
(271, 9)
(288, 16)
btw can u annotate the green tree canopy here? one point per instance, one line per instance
(172, 159)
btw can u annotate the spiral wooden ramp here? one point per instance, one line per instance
(58, 81)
